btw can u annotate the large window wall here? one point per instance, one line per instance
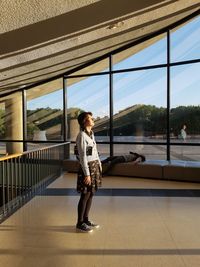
(45, 112)
(140, 98)
(185, 41)
(151, 92)
(89, 94)
(140, 117)
(148, 53)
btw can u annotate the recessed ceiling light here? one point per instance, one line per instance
(115, 25)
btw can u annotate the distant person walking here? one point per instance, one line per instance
(183, 134)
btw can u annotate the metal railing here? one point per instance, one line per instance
(24, 175)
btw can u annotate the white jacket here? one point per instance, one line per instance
(83, 141)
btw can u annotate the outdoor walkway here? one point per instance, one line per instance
(143, 223)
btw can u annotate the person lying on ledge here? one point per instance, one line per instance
(109, 162)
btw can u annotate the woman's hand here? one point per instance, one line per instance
(87, 180)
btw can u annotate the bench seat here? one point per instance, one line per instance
(182, 170)
(156, 169)
(147, 169)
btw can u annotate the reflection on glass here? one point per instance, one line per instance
(185, 103)
(100, 66)
(140, 106)
(45, 112)
(11, 123)
(104, 150)
(186, 153)
(151, 152)
(2, 120)
(151, 52)
(33, 146)
(90, 94)
(185, 41)
(2, 149)
(11, 117)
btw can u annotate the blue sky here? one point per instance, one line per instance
(141, 87)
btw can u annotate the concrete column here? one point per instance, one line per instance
(73, 129)
(14, 124)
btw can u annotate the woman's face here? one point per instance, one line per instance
(89, 122)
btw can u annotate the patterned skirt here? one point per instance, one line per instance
(96, 178)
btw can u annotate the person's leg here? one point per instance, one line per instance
(82, 207)
(86, 214)
(117, 159)
(114, 160)
(87, 208)
(108, 159)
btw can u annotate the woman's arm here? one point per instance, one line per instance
(81, 146)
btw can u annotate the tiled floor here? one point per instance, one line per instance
(137, 230)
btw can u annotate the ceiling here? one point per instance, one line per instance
(41, 39)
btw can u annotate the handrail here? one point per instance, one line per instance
(44, 148)
(10, 156)
(30, 151)
(23, 175)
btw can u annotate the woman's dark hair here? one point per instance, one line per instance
(82, 119)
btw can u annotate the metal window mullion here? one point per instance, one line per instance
(39, 166)
(24, 108)
(111, 104)
(168, 95)
(64, 110)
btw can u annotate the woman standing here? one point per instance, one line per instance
(89, 174)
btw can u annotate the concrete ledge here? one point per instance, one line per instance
(148, 169)
(157, 169)
(182, 170)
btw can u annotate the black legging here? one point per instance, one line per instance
(84, 206)
(111, 162)
(114, 160)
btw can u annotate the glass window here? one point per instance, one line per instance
(151, 152)
(11, 126)
(45, 112)
(185, 103)
(2, 120)
(100, 66)
(185, 41)
(104, 150)
(140, 106)
(151, 52)
(2, 149)
(89, 94)
(186, 153)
